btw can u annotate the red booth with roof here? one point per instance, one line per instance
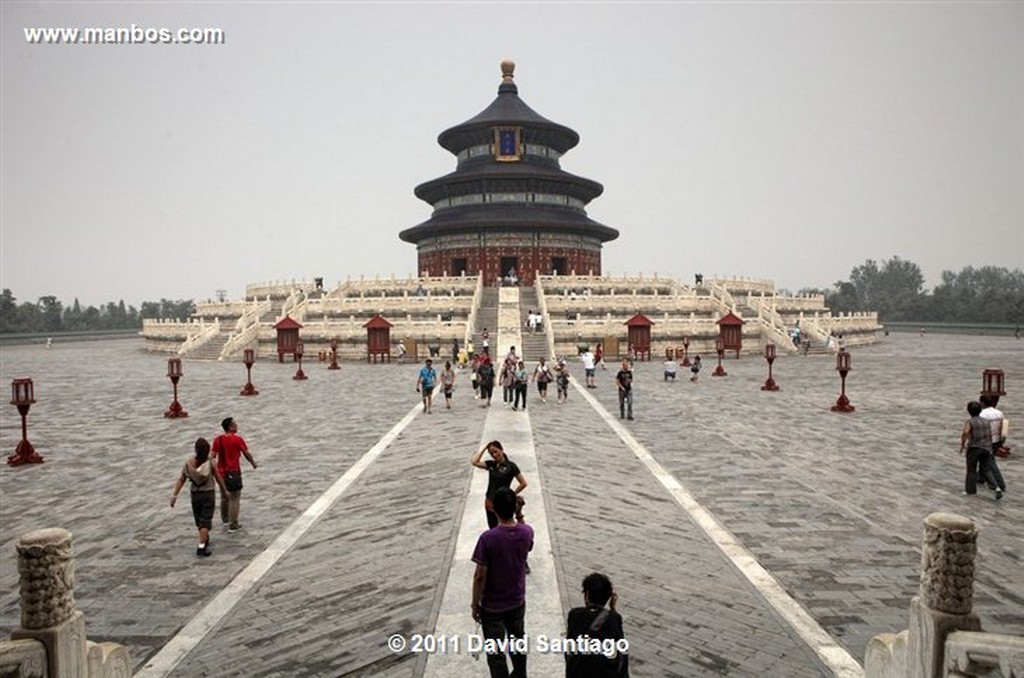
(639, 328)
(378, 339)
(287, 337)
(730, 329)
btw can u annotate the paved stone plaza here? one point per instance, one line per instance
(830, 505)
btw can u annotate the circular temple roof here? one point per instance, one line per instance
(507, 109)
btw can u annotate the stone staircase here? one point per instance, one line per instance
(486, 317)
(211, 349)
(534, 345)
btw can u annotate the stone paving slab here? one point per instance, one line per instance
(831, 504)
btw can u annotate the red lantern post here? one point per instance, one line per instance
(720, 349)
(22, 396)
(992, 385)
(249, 357)
(299, 374)
(769, 355)
(843, 367)
(686, 350)
(334, 356)
(174, 373)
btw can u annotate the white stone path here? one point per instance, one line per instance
(544, 614)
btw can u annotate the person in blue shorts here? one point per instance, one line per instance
(425, 384)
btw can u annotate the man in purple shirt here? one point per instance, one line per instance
(499, 583)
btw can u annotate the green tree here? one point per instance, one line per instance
(50, 312)
(986, 294)
(9, 320)
(895, 289)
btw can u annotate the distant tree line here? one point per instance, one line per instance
(895, 289)
(50, 315)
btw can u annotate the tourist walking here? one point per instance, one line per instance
(448, 384)
(506, 377)
(228, 450)
(599, 356)
(695, 369)
(485, 342)
(522, 379)
(543, 376)
(485, 378)
(588, 367)
(401, 351)
(425, 382)
(501, 471)
(624, 383)
(976, 440)
(562, 380)
(200, 470)
(596, 621)
(1000, 428)
(499, 586)
(474, 365)
(455, 351)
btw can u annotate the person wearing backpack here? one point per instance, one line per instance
(695, 369)
(542, 375)
(595, 622)
(201, 471)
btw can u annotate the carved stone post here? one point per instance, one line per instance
(945, 597)
(48, 614)
(47, 600)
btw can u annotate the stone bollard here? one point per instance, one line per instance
(945, 597)
(947, 563)
(943, 604)
(48, 614)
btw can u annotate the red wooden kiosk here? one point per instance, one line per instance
(639, 329)
(378, 339)
(287, 337)
(730, 330)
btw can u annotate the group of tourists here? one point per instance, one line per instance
(498, 600)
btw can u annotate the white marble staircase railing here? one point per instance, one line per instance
(542, 308)
(206, 332)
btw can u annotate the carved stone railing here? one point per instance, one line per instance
(721, 295)
(206, 332)
(279, 288)
(773, 327)
(294, 299)
(478, 294)
(542, 308)
(944, 639)
(239, 341)
(51, 642)
(741, 285)
(971, 653)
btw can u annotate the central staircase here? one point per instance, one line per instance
(535, 346)
(486, 318)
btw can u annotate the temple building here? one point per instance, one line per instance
(508, 206)
(509, 210)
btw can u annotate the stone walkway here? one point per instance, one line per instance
(829, 505)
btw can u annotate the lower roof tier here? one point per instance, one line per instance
(473, 218)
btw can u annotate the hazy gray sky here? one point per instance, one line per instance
(784, 141)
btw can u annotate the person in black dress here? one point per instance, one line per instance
(501, 471)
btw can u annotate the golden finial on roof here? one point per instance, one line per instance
(507, 68)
